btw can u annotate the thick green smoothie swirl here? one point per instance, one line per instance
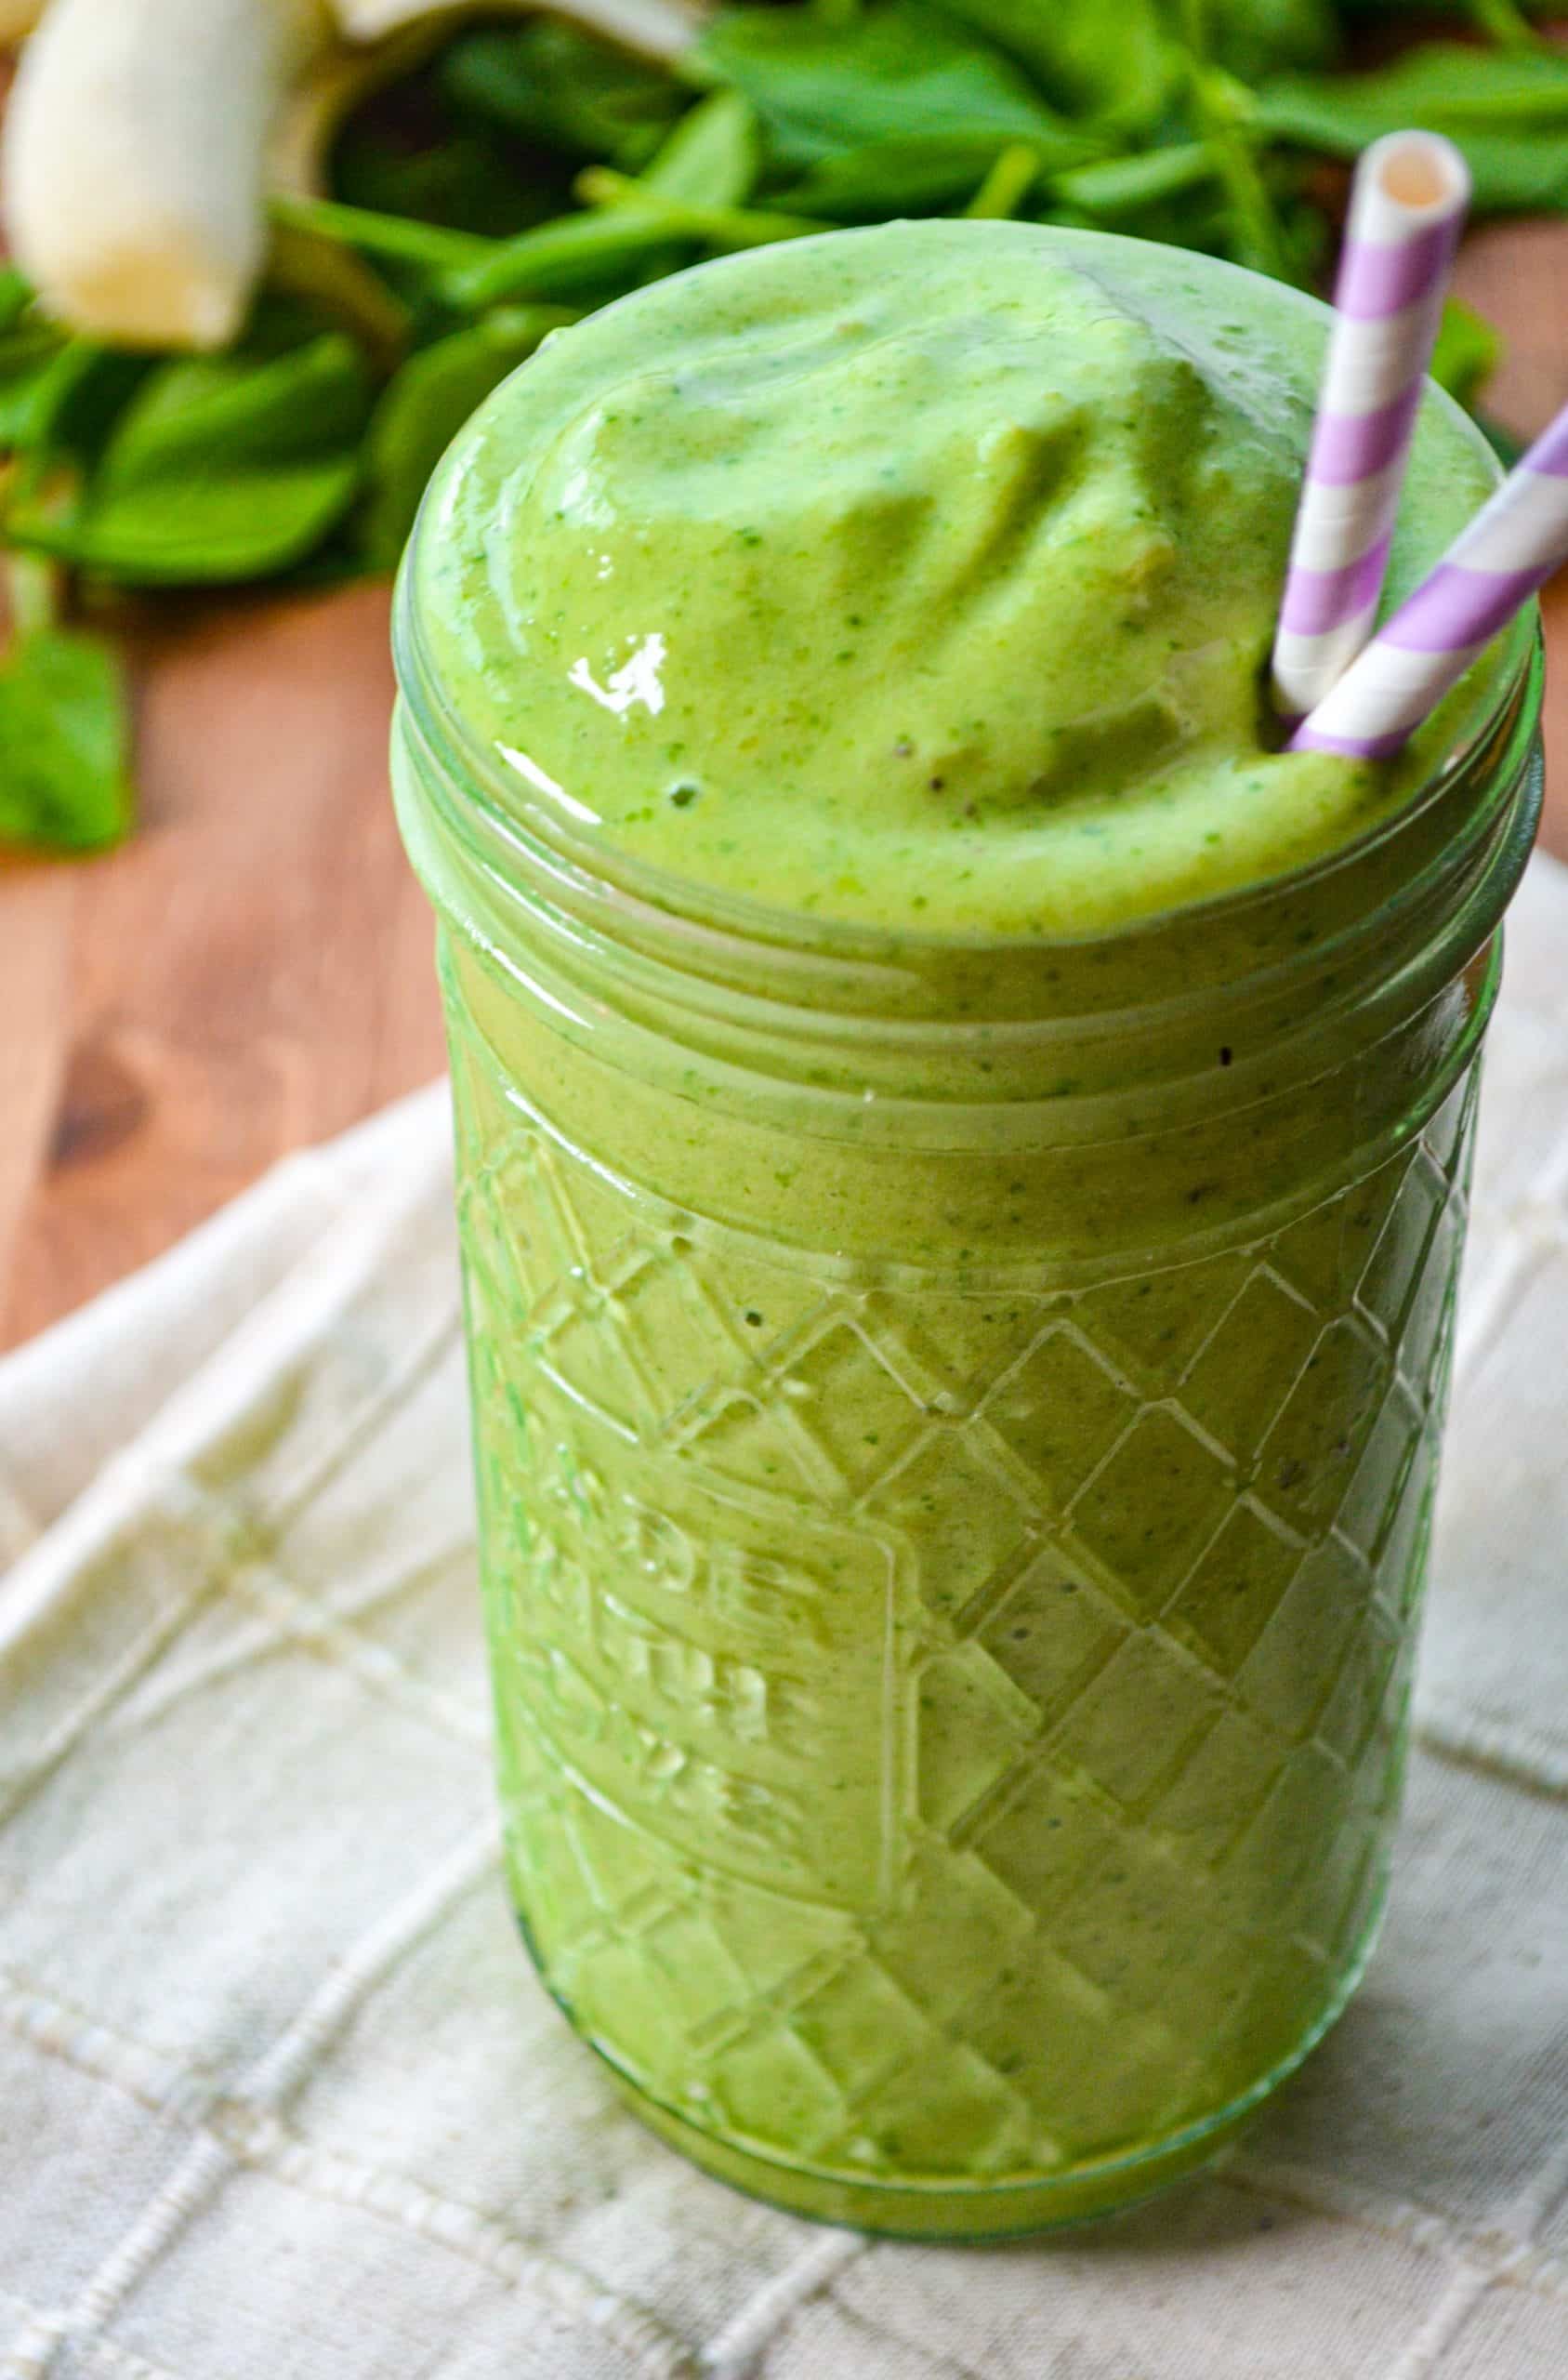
(918, 577)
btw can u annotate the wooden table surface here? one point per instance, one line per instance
(253, 972)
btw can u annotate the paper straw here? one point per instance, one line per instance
(1515, 541)
(1407, 204)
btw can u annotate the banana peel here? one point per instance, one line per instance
(144, 137)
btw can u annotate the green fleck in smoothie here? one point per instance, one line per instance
(962, 1155)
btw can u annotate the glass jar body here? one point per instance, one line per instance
(952, 1559)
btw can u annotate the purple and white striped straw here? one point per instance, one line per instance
(1407, 204)
(1515, 541)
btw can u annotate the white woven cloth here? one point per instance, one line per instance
(279, 2097)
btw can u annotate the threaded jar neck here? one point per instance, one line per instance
(944, 1041)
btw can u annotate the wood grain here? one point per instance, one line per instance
(253, 972)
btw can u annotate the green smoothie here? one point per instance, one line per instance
(922, 576)
(962, 1154)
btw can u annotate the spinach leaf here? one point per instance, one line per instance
(80, 394)
(462, 179)
(1253, 38)
(915, 175)
(63, 743)
(220, 468)
(422, 408)
(1224, 113)
(1113, 63)
(713, 156)
(402, 239)
(1002, 194)
(558, 87)
(1467, 351)
(16, 296)
(899, 72)
(29, 354)
(579, 259)
(1117, 187)
(1507, 109)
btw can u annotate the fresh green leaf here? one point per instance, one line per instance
(713, 156)
(1114, 62)
(1225, 113)
(1503, 21)
(16, 296)
(29, 354)
(899, 72)
(63, 743)
(1506, 21)
(340, 289)
(1007, 185)
(433, 246)
(581, 259)
(1114, 187)
(1257, 37)
(81, 394)
(461, 178)
(1466, 353)
(424, 407)
(1508, 111)
(722, 229)
(1506, 443)
(221, 469)
(552, 84)
(908, 176)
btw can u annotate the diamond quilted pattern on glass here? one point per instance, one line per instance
(783, 1943)
(588, 1352)
(626, 1342)
(1310, 1797)
(1359, 1704)
(904, 1692)
(1323, 1254)
(1398, 1261)
(1175, 1700)
(1289, 1673)
(1152, 1326)
(1339, 1899)
(972, 1724)
(1149, 1510)
(1055, 1411)
(1309, 1457)
(1141, 1923)
(1427, 1332)
(1044, 1832)
(699, 1984)
(948, 2114)
(1244, 1373)
(947, 1896)
(862, 2028)
(752, 1437)
(1051, 1633)
(1221, 1786)
(1384, 1486)
(961, 1344)
(851, 1399)
(1095, 2074)
(959, 1503)
(1234, 1589)
(770, 2089)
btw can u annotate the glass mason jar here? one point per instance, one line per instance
(956, 1427)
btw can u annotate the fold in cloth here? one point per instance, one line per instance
(278, 2094)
